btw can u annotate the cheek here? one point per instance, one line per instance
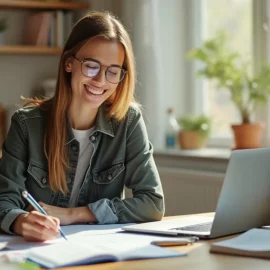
(112, 87)
(76, 79)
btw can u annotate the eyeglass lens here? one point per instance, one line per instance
(92, 69)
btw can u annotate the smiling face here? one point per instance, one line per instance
(92, 92)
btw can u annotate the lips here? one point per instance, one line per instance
(94, 91)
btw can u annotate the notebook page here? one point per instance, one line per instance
(92, 229)
(4, 239)
(66, 254)
(126, 246)
(100, 248)
(18, 243)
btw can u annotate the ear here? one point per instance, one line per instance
(68, 65)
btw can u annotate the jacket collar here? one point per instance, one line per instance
(103, 124)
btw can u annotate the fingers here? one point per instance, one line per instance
(46, 221)
(37, 232)
(57, 221)
(38, 227)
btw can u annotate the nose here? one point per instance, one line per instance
(100, 78)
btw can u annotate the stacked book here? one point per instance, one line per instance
(253, 243)
(49, 28)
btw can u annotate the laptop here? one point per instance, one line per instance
(244, 201)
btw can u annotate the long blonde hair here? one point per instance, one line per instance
(91, 25)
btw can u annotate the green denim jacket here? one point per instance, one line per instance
(122, 156)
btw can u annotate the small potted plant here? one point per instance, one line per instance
(194, 131)
(3, 26)
(231, 71)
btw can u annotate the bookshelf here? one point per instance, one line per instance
(23, 49)
(17, 4)
(37, 6)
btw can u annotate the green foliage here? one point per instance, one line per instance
(230, 70)
(3, 24)
(199, 123)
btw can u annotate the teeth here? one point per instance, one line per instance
(95, 92)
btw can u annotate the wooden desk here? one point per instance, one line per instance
(198, 257)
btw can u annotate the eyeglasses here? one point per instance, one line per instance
(91, 68)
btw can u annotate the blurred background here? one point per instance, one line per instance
(232, 42)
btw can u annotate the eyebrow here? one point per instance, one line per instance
(95, 60)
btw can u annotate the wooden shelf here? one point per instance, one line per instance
(30, 50)
(18, 4)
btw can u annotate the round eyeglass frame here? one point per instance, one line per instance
(83, 61)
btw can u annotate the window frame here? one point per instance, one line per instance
(261, 51)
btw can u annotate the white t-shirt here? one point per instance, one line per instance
(86, 150)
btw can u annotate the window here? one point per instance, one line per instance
(238, 23)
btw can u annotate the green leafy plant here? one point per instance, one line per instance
(231, 71)
(3, 24)
(201, 123)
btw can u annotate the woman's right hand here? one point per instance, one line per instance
(37, 227)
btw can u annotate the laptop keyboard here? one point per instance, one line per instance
(203, 227)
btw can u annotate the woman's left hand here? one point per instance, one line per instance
(63, 214)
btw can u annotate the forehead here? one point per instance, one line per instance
(108, 52)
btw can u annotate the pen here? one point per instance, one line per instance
(176, 242)
(33, 202)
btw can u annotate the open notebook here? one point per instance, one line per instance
(71, 254)
(253, 243)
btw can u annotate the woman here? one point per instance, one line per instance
(75, 152)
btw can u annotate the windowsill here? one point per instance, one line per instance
(205, 153)
(207, 159)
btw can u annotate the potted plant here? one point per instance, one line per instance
(3, 26)
(194, 131)
(231, 71)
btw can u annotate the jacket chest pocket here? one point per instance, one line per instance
(39, 175)
(38, 184)
(108, 175)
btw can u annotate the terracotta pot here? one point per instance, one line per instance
(247, 135)
(191, 139)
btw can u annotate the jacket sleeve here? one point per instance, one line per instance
(147, 203)
(12, 174)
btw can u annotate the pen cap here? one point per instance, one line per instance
(25, 194)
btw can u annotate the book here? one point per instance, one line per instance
(36, 30)
(253, 243)
(59, 26)
(72, 254)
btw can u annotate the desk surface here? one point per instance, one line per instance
(198, 257)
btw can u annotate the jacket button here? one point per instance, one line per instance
(109, 177)
(93, 138)
(74, 147)
(44, 180)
